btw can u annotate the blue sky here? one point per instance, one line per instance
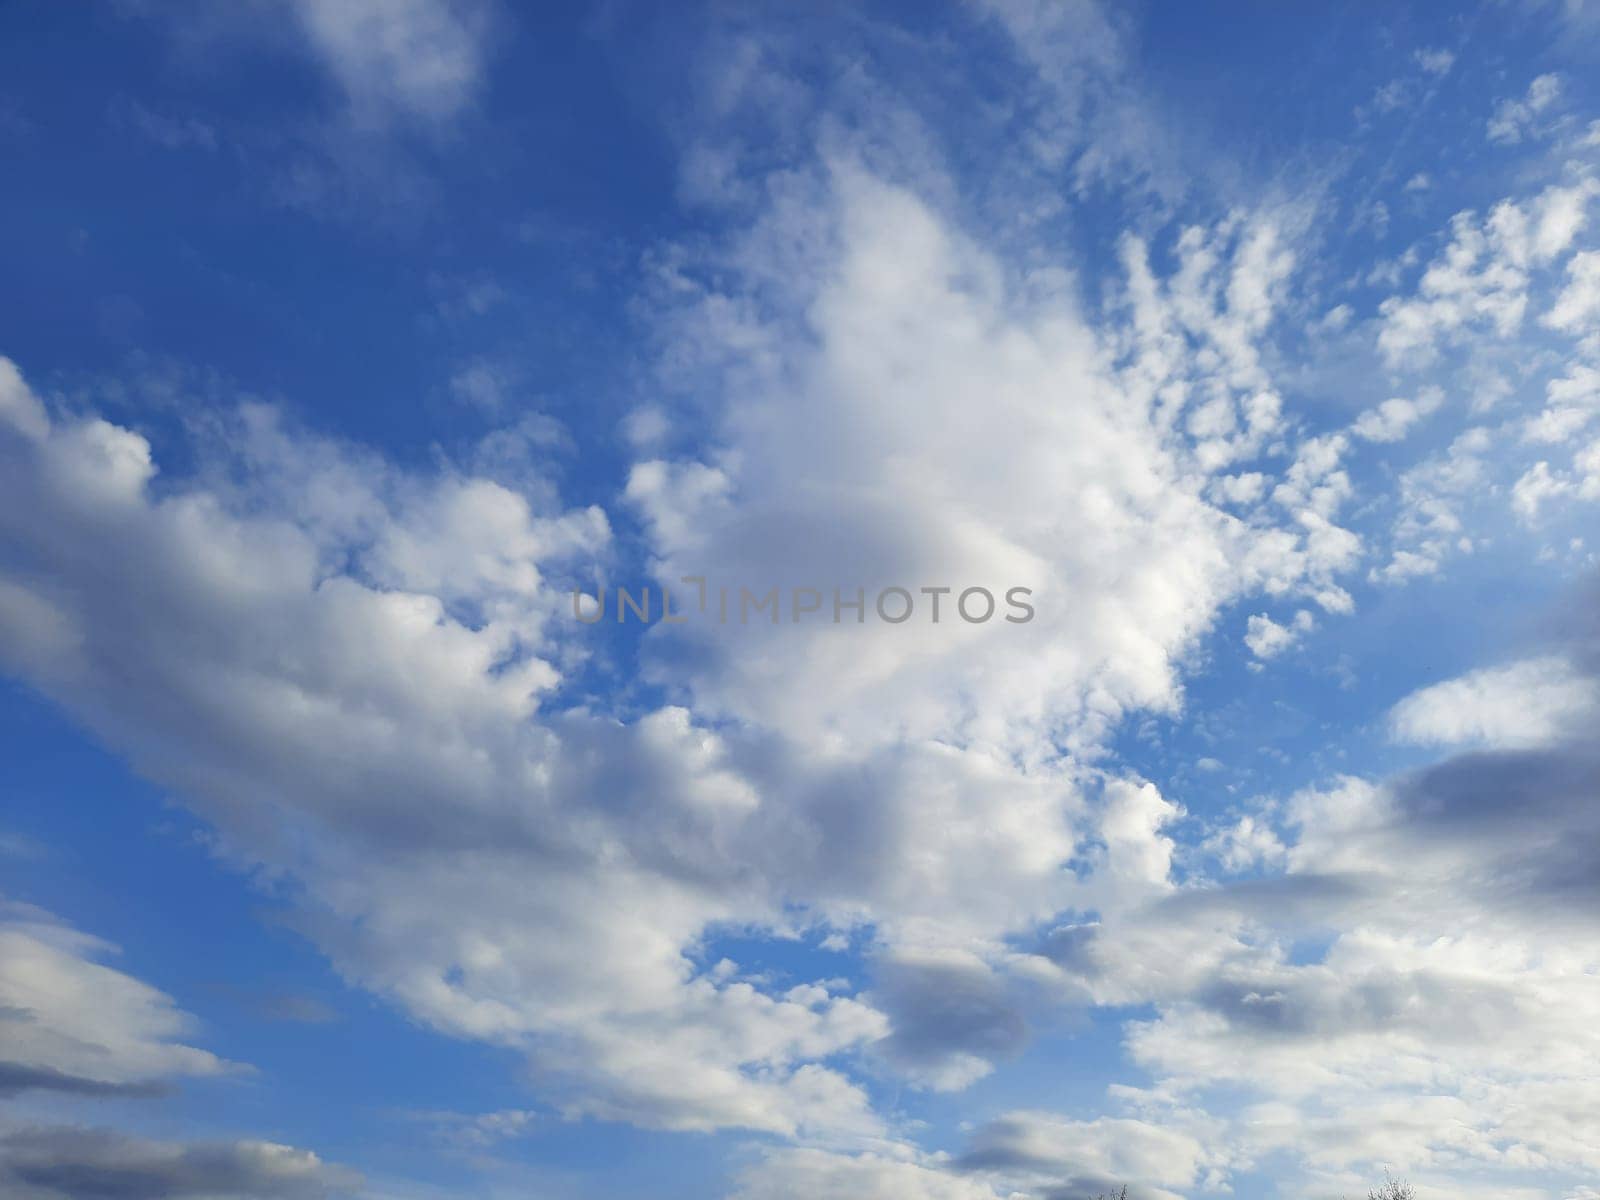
(341, 341)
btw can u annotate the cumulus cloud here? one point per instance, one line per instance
(504, 868)
(882, 353)
(510, 866)
(858, 389)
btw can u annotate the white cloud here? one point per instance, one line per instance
(1249, 842)
(509, 869)
(409, 735)
(1480, 281)
(1536, 488)
(1393, 419)
(1268, 639)
(1576, 309)
(73, 1025)
(1515, 119)
(849, 455)
(1528, 703)
(1433, 497)
(394, 698)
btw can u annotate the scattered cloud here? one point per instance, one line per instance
(1514, 120)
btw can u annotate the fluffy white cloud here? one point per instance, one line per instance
(915, 418)
(1268, 639)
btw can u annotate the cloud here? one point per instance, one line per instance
(483, 385)
(1444, 1028)
(861, 385)
(510, 866)
(1394, 418)
(1018, 1156)
(73, 1025)
(1061, 1158)
(69, 1164)
(1576, 309)
(1434, 495)
(1515, 119)
(1435, 60)
(429, 815)
(1480, 281)
(1529, 703)
(880, 352)
(1268, 639)
(1537, 486)
(1091, 117)
(478, 1131)
(820, 1175)
(951, 1014)
(400, 59)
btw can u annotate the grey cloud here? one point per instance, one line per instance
(1056, 1158)
(90, 1164)
(21, 1077)
(944, 1011)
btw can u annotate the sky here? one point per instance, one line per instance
(1124, 483)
